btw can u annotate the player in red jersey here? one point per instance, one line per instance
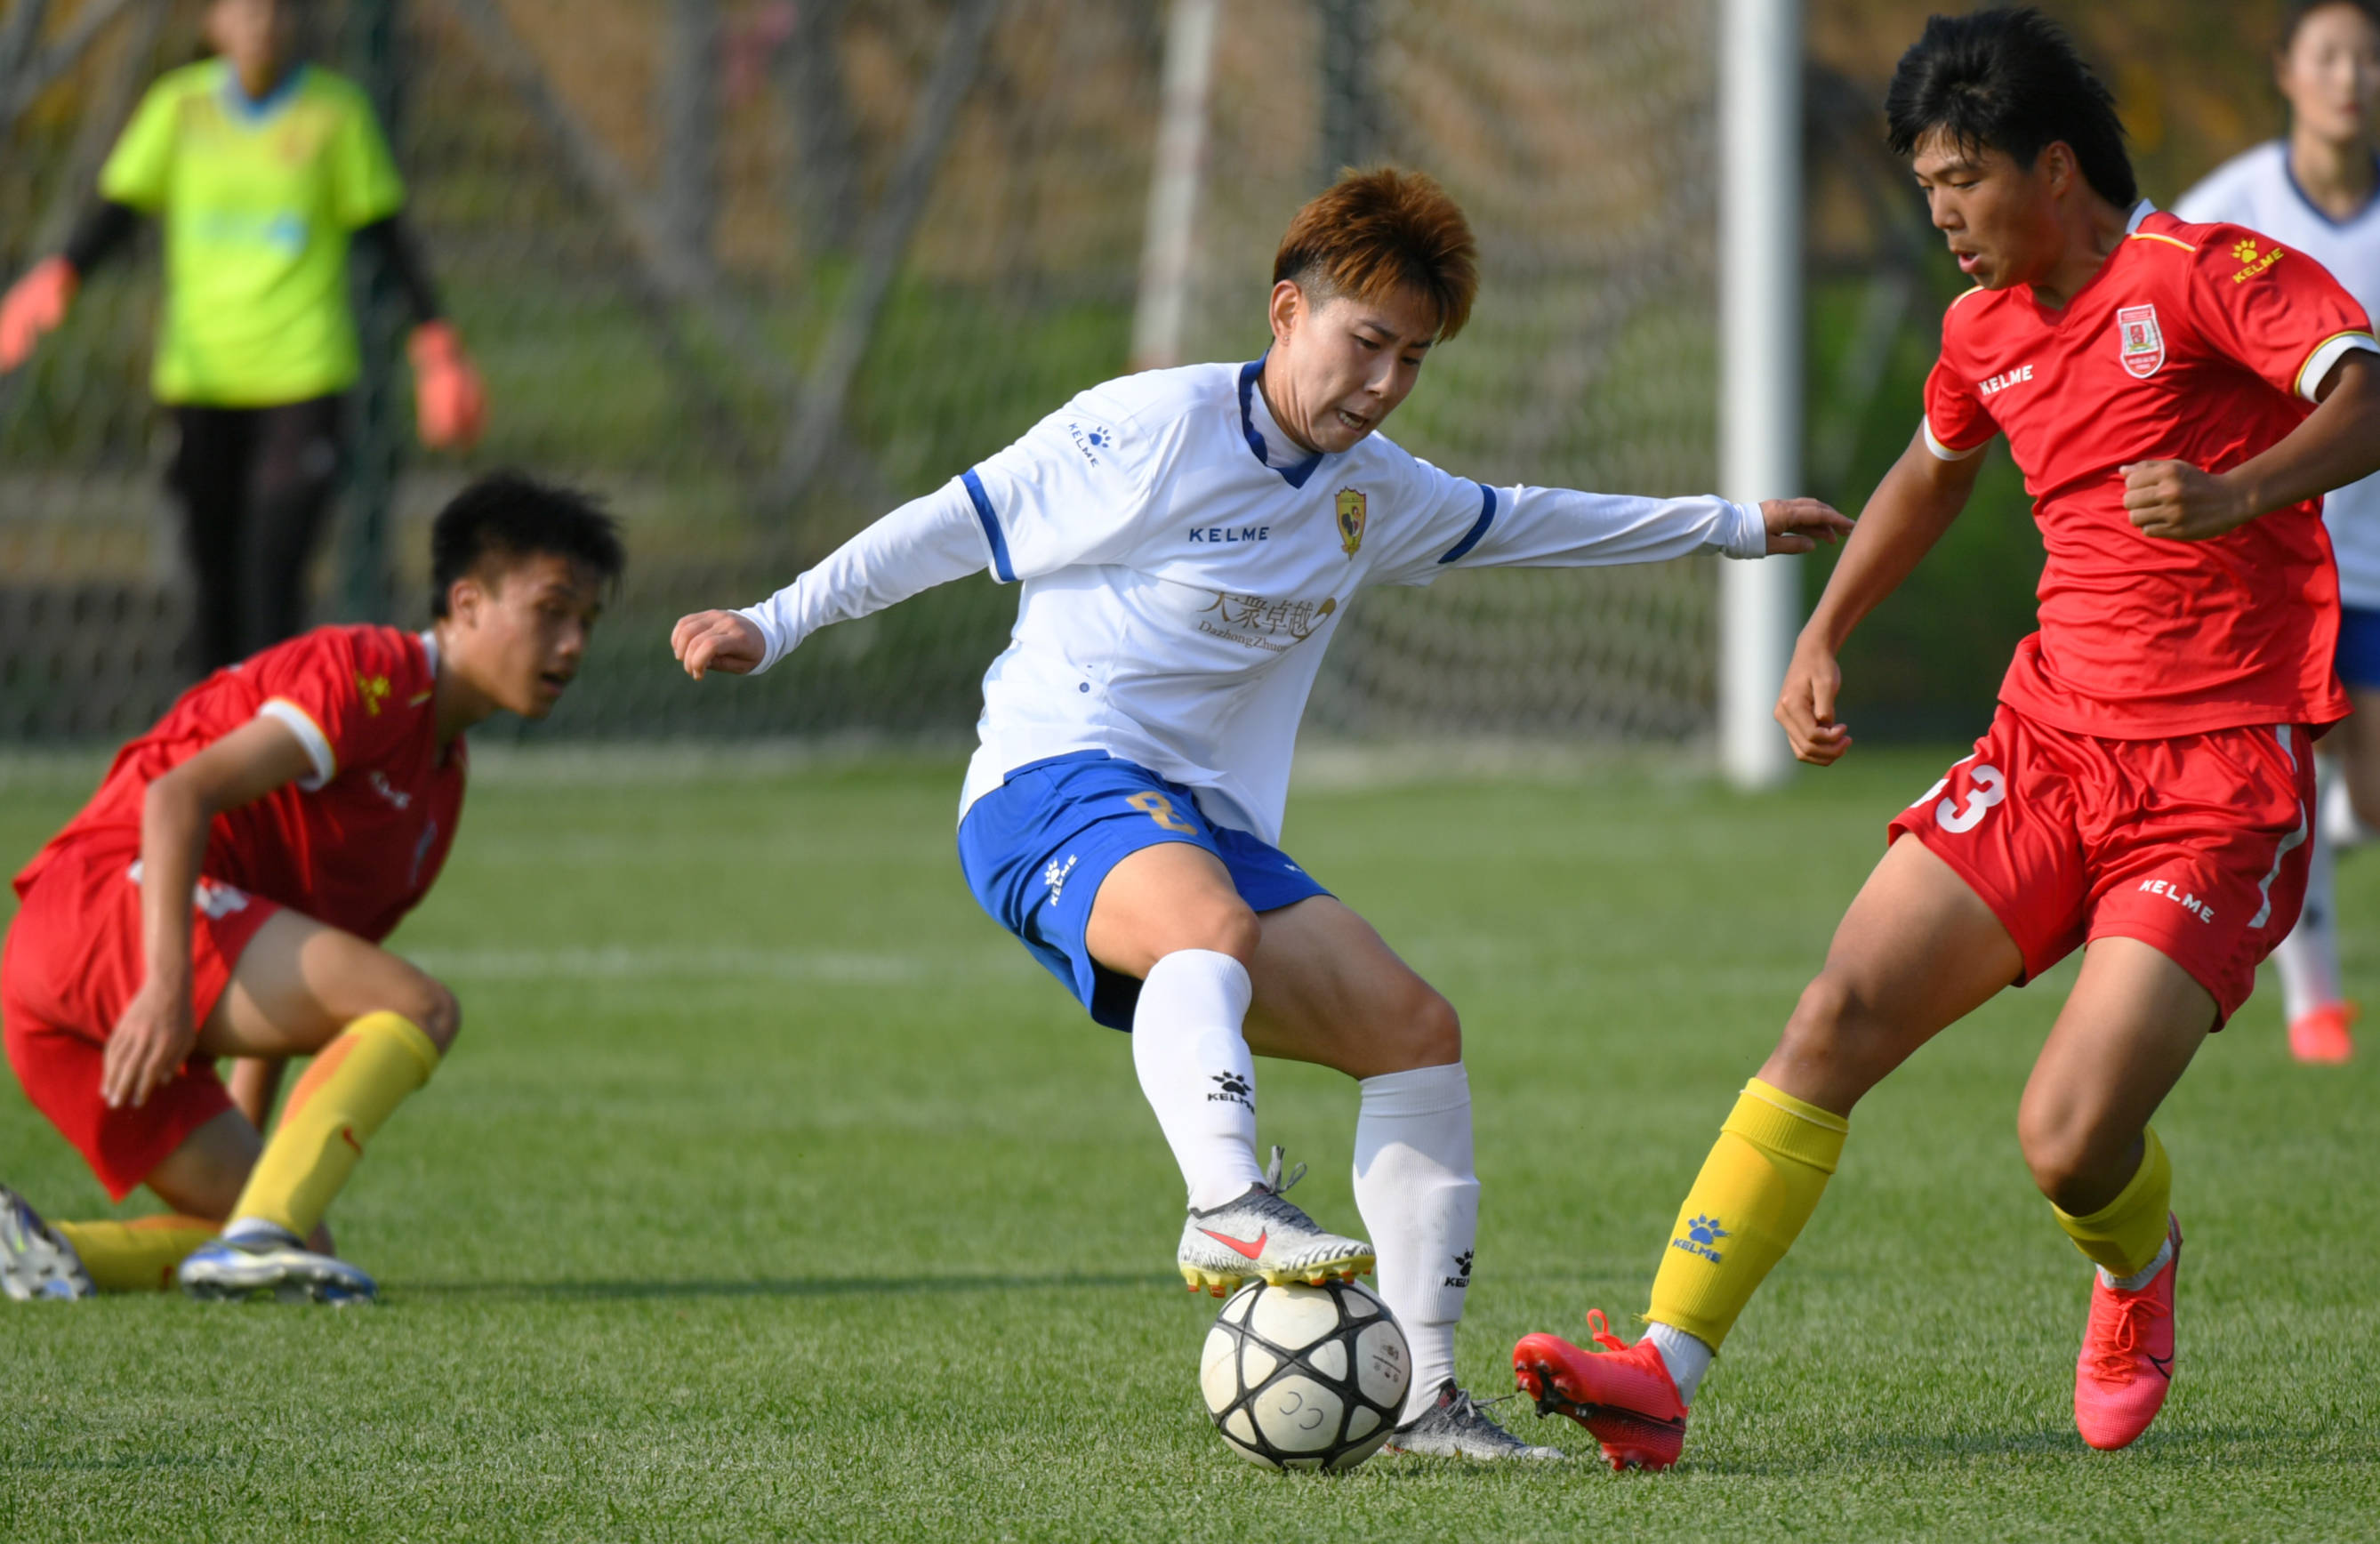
(2178, 398)
(224, 893)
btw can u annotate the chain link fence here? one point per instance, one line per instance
(757, 271)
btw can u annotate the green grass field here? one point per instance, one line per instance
(772, 1193)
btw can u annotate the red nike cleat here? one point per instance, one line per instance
(2324, 1034)
(2126, 1368)
(1621, 1394)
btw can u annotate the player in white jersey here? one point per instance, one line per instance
(1186, 542)
(2317, 192)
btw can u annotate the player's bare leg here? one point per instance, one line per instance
(203, 1176)
(1917, 950)
(376, 1027)
(200, 1180)
(1170, 914)
(2120, 1043)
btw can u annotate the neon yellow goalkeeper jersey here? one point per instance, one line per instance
(258, 199)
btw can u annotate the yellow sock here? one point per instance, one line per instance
(139, 1255)
(2126, 1234)
(353, 1085)
(1757, 1187)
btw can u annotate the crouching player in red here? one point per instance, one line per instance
(223, 894)
(2178, 397)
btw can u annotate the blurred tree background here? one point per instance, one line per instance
(757, 268)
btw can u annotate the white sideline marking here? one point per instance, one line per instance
(624, 962)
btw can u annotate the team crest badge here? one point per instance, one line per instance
(1351, 520)
(2144, 346)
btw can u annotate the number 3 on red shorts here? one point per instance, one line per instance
(1157, 808)
(1989, 788)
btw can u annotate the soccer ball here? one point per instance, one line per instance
(1304, 1377)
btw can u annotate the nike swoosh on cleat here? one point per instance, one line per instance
(1241, 1245)
(2164, 1365)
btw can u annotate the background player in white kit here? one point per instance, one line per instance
(1187, 541)
(2317, 191)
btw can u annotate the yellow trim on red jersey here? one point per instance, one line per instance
(2317, 352)
(1977, 289)
(2169, 240)
(300, 722)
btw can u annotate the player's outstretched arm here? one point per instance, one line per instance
(156, 1032)
(2337, 444)
(925, 542)
(1906, 514)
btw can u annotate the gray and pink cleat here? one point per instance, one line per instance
(1260, 1234)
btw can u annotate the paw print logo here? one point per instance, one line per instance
(1099, 438)
(1705, 1231)
(1233, 1085)
(2245, 252)
(1463, 1265)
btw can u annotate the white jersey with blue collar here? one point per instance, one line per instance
(2256, 190)
(1178, 585)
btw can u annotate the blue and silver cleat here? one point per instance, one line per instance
(34, 1262)
(271, 1266)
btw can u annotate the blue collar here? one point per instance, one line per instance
(2319, 213)
(1294, 475)
(255, 110)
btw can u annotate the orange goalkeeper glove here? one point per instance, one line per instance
(34, 305)
(449, 406)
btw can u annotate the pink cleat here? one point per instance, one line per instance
(2126, 1368)
(2325, 1034)
(1621, 1394)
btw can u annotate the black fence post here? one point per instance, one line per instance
(1350, 114)
(370, 55)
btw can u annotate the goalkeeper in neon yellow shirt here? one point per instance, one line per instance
(263, 170)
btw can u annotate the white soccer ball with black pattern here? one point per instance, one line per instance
(1304, 1377)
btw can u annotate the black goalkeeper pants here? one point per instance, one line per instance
(254, 484)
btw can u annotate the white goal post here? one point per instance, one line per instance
(1760, 365)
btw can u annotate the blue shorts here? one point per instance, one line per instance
(2359, 647)
(1037, 849)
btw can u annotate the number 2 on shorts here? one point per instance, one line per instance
(1157, 808)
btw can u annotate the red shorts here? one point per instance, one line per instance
(2195, 846)
(72, 965)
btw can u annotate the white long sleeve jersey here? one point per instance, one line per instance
(1181, 576)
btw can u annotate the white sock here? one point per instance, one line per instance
(2143, 1277)
(1419, 1198)
(242, 1228)
(2335, 807)
(1685, 1355)
(2308, 958)
(1196, 1071)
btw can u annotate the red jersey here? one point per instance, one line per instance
(357, 843)
(2194, 343)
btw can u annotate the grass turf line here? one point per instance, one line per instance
(771, 1192)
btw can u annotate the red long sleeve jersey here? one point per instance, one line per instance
(357, 843)
(2196, 343)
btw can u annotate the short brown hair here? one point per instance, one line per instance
(1372, 233)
